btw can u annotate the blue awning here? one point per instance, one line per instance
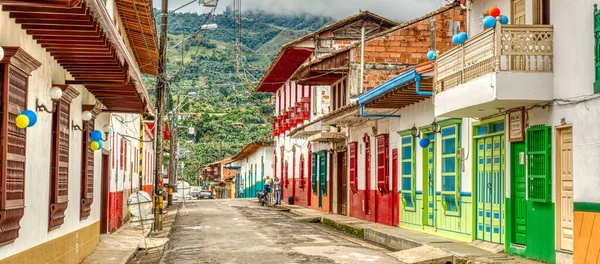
(388, 86)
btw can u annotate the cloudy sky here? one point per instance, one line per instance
(399, 10)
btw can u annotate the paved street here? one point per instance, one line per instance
(240, 231)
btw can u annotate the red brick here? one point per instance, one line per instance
(369, 48)
(416, 55)
(379, 49)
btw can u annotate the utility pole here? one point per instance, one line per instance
(174, 158)
(161, 88)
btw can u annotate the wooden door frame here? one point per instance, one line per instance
(557, 186)
(339, 180)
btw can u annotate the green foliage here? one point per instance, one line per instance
(224, 111)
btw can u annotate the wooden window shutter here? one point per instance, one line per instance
(353, 167)
(323, 172)
(539, 163)
(59, 168)
(597, 48)
(15, 69)
(87, 164)
(383, 176)
(314, 173)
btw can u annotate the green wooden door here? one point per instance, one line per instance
(490, 182)
(322, 176)
(518, 193)
(429, 195)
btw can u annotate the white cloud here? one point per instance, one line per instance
(400, 10)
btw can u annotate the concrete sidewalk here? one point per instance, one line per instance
(120, 246)
(412, 246)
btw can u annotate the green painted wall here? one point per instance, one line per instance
(455, 227)
(540, 232)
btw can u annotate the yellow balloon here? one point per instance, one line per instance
(94, 145)
(22, 121)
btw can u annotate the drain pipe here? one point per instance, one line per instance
(362, 113)
(362, 58)
(418, 86)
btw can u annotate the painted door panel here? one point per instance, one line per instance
(518, 194)
(490, 188)
(395, 194)
(429, 197)
(566, 189)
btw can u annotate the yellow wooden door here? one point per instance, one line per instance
(565, 188)
(518, 11)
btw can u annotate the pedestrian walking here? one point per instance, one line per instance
(267, 187)
(277, 185)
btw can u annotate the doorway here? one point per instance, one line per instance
(564, 188)
(367, 202)
(105, 186)
(342, 184)
(429, 192)
(395, 193)
(489, 165)
(518, 193)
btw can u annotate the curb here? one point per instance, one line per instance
(356, 231)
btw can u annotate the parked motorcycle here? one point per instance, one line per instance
(262, 198)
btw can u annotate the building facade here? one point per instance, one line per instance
(71, 63)
(490, 142)
(305, 167)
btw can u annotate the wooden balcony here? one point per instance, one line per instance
(501, 68)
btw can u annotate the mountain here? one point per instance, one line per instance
(218, 101)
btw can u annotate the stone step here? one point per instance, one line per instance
(423, 255)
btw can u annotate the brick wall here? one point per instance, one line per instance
(387, 55)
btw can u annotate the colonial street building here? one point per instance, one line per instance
(364, 137)
(253, 163)
(77, 65)
(298, 161)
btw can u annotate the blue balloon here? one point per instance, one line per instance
(424, 142)
(96, 135)
(431, 55)
(32, 117)
(462, 37)
(489, 22)
(100, 145)
(455, 39)
(503, 19)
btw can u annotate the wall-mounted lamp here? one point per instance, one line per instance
(435, 127)
(415, 132)
(55, 95)
(85, 116)
(106, 129)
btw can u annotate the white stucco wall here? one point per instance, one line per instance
(264, 153)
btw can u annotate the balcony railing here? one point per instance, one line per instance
(519, 48)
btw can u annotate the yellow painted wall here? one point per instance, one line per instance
(61, 250)
(587, 238)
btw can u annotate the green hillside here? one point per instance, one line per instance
(217, 99)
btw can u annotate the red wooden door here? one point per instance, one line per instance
(309, 176)
(395, 195)
(294, 177)
(367, 141)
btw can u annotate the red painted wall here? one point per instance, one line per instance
(148, 189)
(301, 194)
(355, 206)
(115, 210)
(384, 208)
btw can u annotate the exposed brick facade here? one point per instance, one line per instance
(388, 53)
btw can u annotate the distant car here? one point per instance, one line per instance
(206, 195)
